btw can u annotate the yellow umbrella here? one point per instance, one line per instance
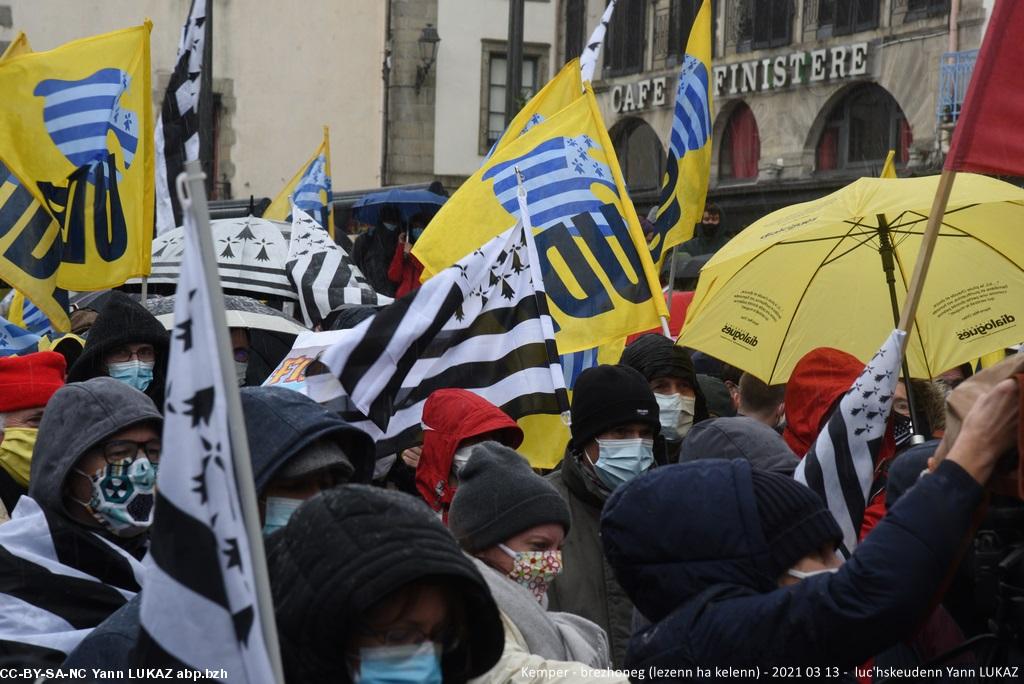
(813, 275)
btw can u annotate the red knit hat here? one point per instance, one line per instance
(29, 381)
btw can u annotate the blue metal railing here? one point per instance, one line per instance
(955, 69)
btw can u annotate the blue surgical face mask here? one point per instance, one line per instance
(137, 374)
(387, 664)
(621, 460)
(279, 510)
(391, 226)
(416, 232)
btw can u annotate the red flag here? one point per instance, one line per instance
(988, 137)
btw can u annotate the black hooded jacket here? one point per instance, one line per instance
(346, 549)
(123, 321)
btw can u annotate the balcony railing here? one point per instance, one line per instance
(955, 69)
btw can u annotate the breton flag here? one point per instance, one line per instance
(987, 137)
(46, 605)
(15, 339)
(481, 325)
(177, 130)
(323, 274)
(199, 609)
(309, 190)
(841, 464)
(27, 315)
(588, 60)
(688, 169)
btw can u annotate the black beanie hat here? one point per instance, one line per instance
(500, 496)
(794, 520)
(605, 397)
(656, 356)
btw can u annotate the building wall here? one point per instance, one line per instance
(284, 69)
(902, 56)
(466, 26)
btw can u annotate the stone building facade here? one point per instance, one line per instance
(808, 94)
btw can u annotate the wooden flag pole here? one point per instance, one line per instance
(193, 180)
(924, 255)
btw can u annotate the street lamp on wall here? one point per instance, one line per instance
(428, 54)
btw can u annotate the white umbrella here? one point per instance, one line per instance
(251, 256)
(242, 312)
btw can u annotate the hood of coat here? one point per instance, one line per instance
(121, 321)
(664, 550)
(739, 437)
(349, 547)
(449, 417)
(281, 423)
(79, 416)
(818, 381)
(656, 356)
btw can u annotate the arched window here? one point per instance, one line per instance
(860, 131)
(741, 146)
(640, 154)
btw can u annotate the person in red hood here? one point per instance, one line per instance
(453, 421)
(819, 381)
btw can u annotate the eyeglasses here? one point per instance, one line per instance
(120, 450)
(241, 355)
(145, 354)
(448, 637)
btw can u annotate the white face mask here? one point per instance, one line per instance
(675, 413)
(801, 575)
(460, 458)
(241, 367)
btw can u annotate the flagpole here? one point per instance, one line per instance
(671, 289)
(541, 297)
(924, 254)
(193, 180)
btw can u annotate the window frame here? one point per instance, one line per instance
(752, 12)
(536, 52)
(843, 164)
(850, 25)
(580, 32)
(930, 10)
(634, 11)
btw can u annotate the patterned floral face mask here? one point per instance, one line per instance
(535, 570)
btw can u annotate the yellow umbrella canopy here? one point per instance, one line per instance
(811, 275)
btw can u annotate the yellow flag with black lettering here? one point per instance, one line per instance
(685, 186)
(600, 281)
(76, 132)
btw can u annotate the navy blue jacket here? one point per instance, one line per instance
(687, 547)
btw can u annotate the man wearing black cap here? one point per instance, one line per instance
(614, 428)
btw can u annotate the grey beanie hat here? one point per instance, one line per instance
(499, 496)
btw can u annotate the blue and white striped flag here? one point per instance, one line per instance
(16, 340)
(840, 466)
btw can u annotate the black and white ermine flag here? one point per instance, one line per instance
(841, 464)
(480, 325)
(591, 51)
(199, 604)
(176, 138)
(322, 273)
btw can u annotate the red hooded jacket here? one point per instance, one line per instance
(819, 381)
(449, 417)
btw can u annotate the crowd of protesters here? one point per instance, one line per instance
(671, 536)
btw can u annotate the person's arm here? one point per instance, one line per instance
(397, 266)
(876, 599)
(519, 666)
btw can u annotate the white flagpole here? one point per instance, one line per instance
(191, 183)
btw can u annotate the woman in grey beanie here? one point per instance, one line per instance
(513, 523)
